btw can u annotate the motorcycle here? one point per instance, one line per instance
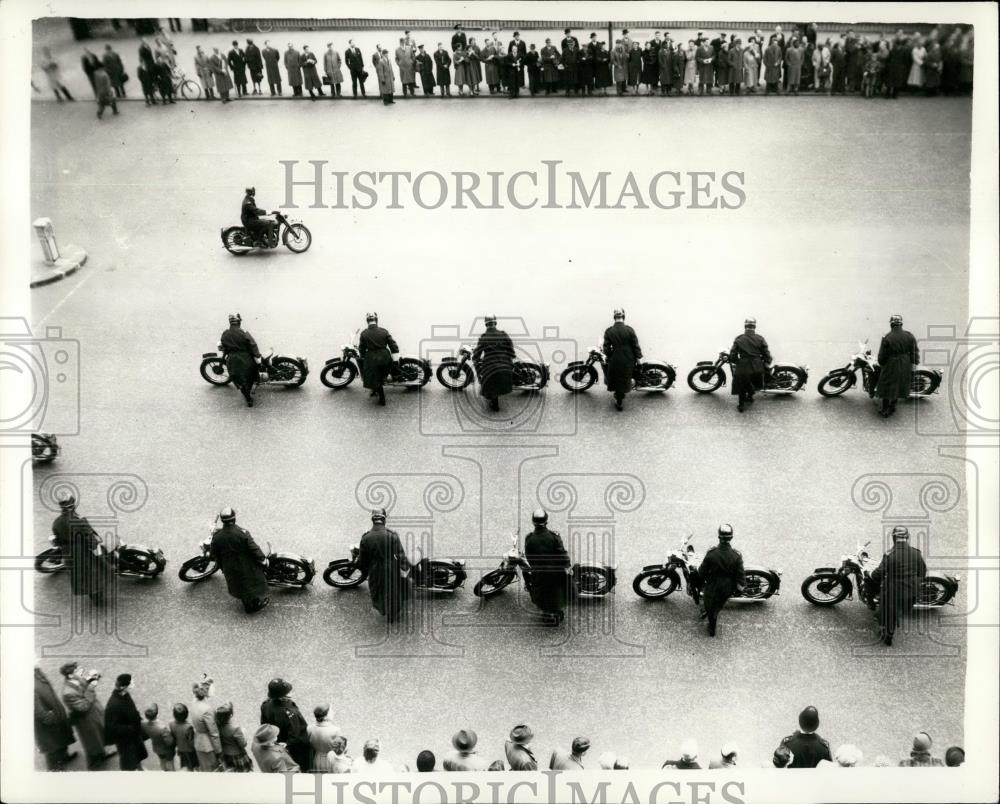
(587, 579)
(339, 372)
(456, 373)
(127, 560)
(779, 378)
(44, 448)
(426, 575)
(283, 570)
(284, 370)
(294, 234)
(827, 586)
(925, 381)
(656, 581)
(582, 374)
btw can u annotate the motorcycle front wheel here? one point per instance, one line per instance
(197, 569)
(344, 574)
(236, 240)
(288, 372)
(705, 379)
(824, 589)
(454, 376)
(578, 378)
(835, 383)
(289, 571)
(49, 561)
(759, 586)
(924, 383)
(214, 371)
(338, 374)
(42, 449)
(934, 592)
(297, 238)
(654, 584)
(493, 582)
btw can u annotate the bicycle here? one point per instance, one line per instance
(184, 86)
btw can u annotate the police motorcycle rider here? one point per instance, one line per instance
(379, 355)
(722, 575)
(257, 227)
(621, 346)
(242, 357)
(547, 579)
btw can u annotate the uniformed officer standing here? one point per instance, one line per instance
(376, 348)
(897, 355)
(548, 581)
(806, 746)
(750, 358)
(381, 555)
(622, 349)
(494, 359)
(241, 561)
(83, 551)
(898, 579)
(721, 573)
(241, 354)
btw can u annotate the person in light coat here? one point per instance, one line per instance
(406, 62)
(293, 66)
(822, 67)
(206, 731)
(332, 64)
(386, 78)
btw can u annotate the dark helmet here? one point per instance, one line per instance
(540, 516)
(750, 323)
(250, 190)
(227, 515)
(900, 533)
(67, 503)
(491, 320)
(726, 532)
(895, 320)
(378, 515)
(235, 318)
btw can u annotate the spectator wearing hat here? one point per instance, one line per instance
(425, 67)
(84, 552)
(848, 756)
(749, 357)
(897, 355)
(807, 747)
(573, 759)
(338, 759)
(332, 64)
(123, 726)
(241, 561)
(727, 758)
(688, 757)
(271, 756)
(321, 735)
(442, 69)
(954, 757)
(371, 763)
(160, 738)
(53, 733)
(458, 39)
(387, 87)
(281, 711)
(722, 576)
(519, 756)
(898, 578)
(85, 713)
(382, 558)
(207, 744)
(464, 757)
(782, 757)
(426, 761)
(234, 741)
(920, 755)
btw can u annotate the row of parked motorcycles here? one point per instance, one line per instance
(458, 372)
(826, 586)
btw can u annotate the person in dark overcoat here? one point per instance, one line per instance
(425, 67)
(271, 58)
(123, 726)
(807, 748)
(735, 67)
(310, 73)
(377, 349)
(897, 66)
(164, 79)
(146, 54)
(602, 68)
(721, 574)
(494, 359)
(838, 70)
(749, 358)
(621, 347)
(585, 71)
(898, 580)
(220, 74)
(531, 61)
(635, 67)
(705, 59)
(115, 69)
(476, 64)
(241, 561)
(549, 58)
(547, 580)
(513, 68)
(773, 58)
(293, 66)
(241, 354)
(53, 733)
(382, 557)
(281, 711)
(568, 59)
(356, 67)
(91, 63)
(442, 63)
(255, 64)
(86, 715)
(458, 39)
(664, 59)
(84, 552)
(237, 61)
(897, 355)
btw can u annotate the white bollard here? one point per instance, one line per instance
(47, 237)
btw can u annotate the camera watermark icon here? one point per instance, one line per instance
(41, 377)
(970, 367)
(529, 410)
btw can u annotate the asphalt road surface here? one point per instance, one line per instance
(855, 209)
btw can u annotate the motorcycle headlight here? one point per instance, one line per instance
(460, 563)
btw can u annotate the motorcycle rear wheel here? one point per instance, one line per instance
(297, 238)
(197, 569)
(705, 379)
(141, 562)
(287, 371)
(934, 592)
(654, 584)
(236, 240)
(493, 582)
(529, 374)
(49, 561)
(592, 581)
(338, 374)
(824, 589)
(923, 383)
(835, 383)
(656, 376)
(759, 586)
(289, 571)
(786, 379)
(412, 369)
(214, 371)
(454, 376)
(344, 574)
(576, 379)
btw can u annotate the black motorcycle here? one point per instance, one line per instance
(283, 570)
(284, 370)
(779, 378)
(582, 374)
(408, 372)
(44, 448)
(426, 575)
(586, 579)
(456, 373)
(294, 234)
(827, 586)
(656, 581)
(925, 381)
(127, 560)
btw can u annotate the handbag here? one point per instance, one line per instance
(326, 80)
(364, 75)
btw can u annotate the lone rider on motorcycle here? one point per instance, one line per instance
(897, 355)
(750, 358)
(250, 216)
(898, 579)
(721, 574)
(242, 357)
(376, 349)
(241, 561)
(547, 581)
(494, 359)
(622, 349)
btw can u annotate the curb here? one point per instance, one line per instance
(74, 259)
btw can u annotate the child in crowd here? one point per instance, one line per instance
(160, 738)
(183, 734)
(234, 742)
